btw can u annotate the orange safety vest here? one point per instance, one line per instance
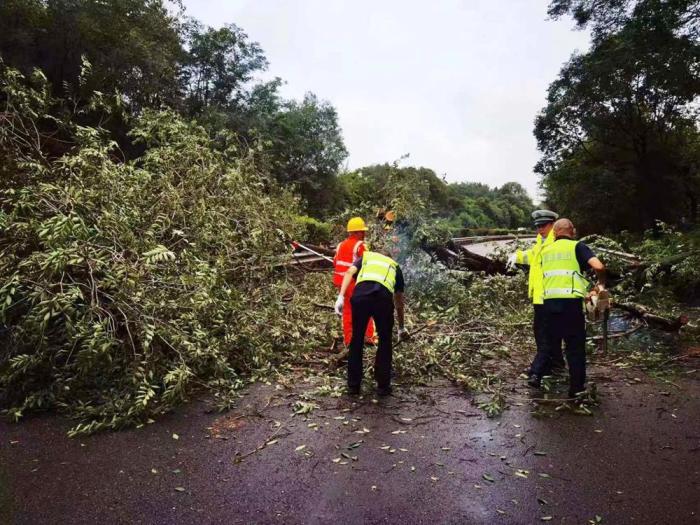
(345, 254)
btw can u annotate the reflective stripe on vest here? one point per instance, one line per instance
(553, 273)
(378, 268)
(561, 271)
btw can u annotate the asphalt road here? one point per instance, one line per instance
(487, 248)
(425, 455)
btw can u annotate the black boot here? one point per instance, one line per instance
(383, 391)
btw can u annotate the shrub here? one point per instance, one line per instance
(124, 285)
(314, 231)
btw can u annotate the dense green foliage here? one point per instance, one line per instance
(126, 284)
(619, 133)
(476, 205)
(416, 193)
(133, 45)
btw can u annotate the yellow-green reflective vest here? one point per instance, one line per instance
(378, 268)
(532, 258)
(561, 271)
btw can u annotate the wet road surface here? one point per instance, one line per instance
(425, 455)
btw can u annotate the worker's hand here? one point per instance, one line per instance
(339, 305)
(403, 334)
(510, 262)
(592, 297)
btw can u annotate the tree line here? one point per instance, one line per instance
(156, 57)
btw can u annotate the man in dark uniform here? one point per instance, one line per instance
(562, 264)
(543, 221)
(380, 285)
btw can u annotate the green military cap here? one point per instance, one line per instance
(541, 217)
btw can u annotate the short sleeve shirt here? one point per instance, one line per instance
(583, 255)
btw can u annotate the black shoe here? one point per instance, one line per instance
(534, 381)
(353, 390)
(578, 397)
(384, 391)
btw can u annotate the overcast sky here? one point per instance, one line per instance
(456, 84)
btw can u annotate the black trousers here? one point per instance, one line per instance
(540, 330)
(379, 306)
(564, 324)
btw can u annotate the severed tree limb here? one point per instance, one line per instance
(458, 256)
(324, 306)
(665, 264)
(632, 258)
(644, 313)
(479, 263)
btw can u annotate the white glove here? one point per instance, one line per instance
(510, 262)
(339, 305)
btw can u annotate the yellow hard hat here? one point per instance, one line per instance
(356, 224)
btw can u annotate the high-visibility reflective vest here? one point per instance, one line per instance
(378, 268)
(531, 258)
(561, 271)
(345, 254)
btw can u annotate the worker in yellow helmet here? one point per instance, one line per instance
(346, 252)
(543, 220)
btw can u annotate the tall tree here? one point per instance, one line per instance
(605, 17)
(305, 148)
(620, 120)
(219, 67)
(133, 46)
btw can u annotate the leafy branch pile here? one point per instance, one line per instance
(474, 332)
(126, 284)
(665, 267)
(476, 341)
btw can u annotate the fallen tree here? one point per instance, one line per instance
(457, 256)
(125, 286)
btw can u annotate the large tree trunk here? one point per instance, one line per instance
(459, 257)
